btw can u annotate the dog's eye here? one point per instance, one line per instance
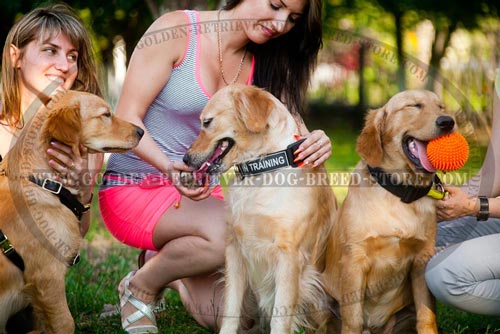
(416, 105)
(107, 115)
(206, 122)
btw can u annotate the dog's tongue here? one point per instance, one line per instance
(200, 174)
(419, 149)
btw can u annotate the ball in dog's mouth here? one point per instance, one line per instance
(449, 152)
(212, 164)
(416, 151)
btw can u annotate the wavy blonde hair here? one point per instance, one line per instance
(42, 24)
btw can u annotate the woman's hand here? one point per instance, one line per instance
(197, 193)
(316, 149)
(72, 167)
(456, 204)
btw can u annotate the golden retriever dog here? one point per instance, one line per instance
(276, 232)
(44, 232)
(385, 229)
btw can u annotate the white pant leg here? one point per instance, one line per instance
(467, 275)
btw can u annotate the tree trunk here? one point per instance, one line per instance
(442, 39)
(361, 86)
(401, 75)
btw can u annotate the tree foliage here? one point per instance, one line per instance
(386, 21)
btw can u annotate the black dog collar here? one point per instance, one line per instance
(269, 162)
(406, 193)
(9, 251)
(65, 196)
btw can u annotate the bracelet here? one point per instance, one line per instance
(86, 207)
(484, 209)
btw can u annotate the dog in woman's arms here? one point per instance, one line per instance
(40, 235)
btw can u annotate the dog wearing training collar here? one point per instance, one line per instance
(40, 234)
(277, 222)
(385, 229)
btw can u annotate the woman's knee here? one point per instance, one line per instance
(435, 278)
(449, 278)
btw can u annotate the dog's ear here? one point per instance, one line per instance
(64, 125)
(369, 144)
(254, 107)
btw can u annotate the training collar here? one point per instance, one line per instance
(406, 193)
(65, 196)
(9, 251)
(269, 162)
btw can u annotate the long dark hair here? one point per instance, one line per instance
(284, 65)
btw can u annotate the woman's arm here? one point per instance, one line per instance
(317, 147)
(149, 70)
(95, 162)
(489, 175)
(487, 181)
(460, 204)
(464, 201)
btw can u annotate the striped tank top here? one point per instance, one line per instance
(173, 117)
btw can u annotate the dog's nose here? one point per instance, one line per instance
(139, 131)
(187, 159)
(445, 123)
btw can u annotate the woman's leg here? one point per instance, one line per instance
(462, 229)
(467, 275)
(191, 241)
(203, 298)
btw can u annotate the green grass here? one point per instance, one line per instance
(92, 283)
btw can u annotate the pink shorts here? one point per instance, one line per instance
(131, 211)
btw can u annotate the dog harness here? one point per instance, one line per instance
(9, 251)
(407, 193)
(5, 245)
(65, 196)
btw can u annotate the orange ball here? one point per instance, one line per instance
(449, 152)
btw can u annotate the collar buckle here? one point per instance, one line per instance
(5, 245)
(52, 186)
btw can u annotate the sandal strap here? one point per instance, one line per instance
(142, 329)
(143, 310)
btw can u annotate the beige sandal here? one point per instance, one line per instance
(143, 310)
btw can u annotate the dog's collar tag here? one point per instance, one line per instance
(265, 164)
(437, 191)
(269, 162)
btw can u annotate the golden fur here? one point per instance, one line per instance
(276, 235)
(379, 246)
(42, 230)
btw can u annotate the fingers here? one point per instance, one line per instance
(181, 167)
(68, 164)
(315, 150)
(83, 152)
(196, 194)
